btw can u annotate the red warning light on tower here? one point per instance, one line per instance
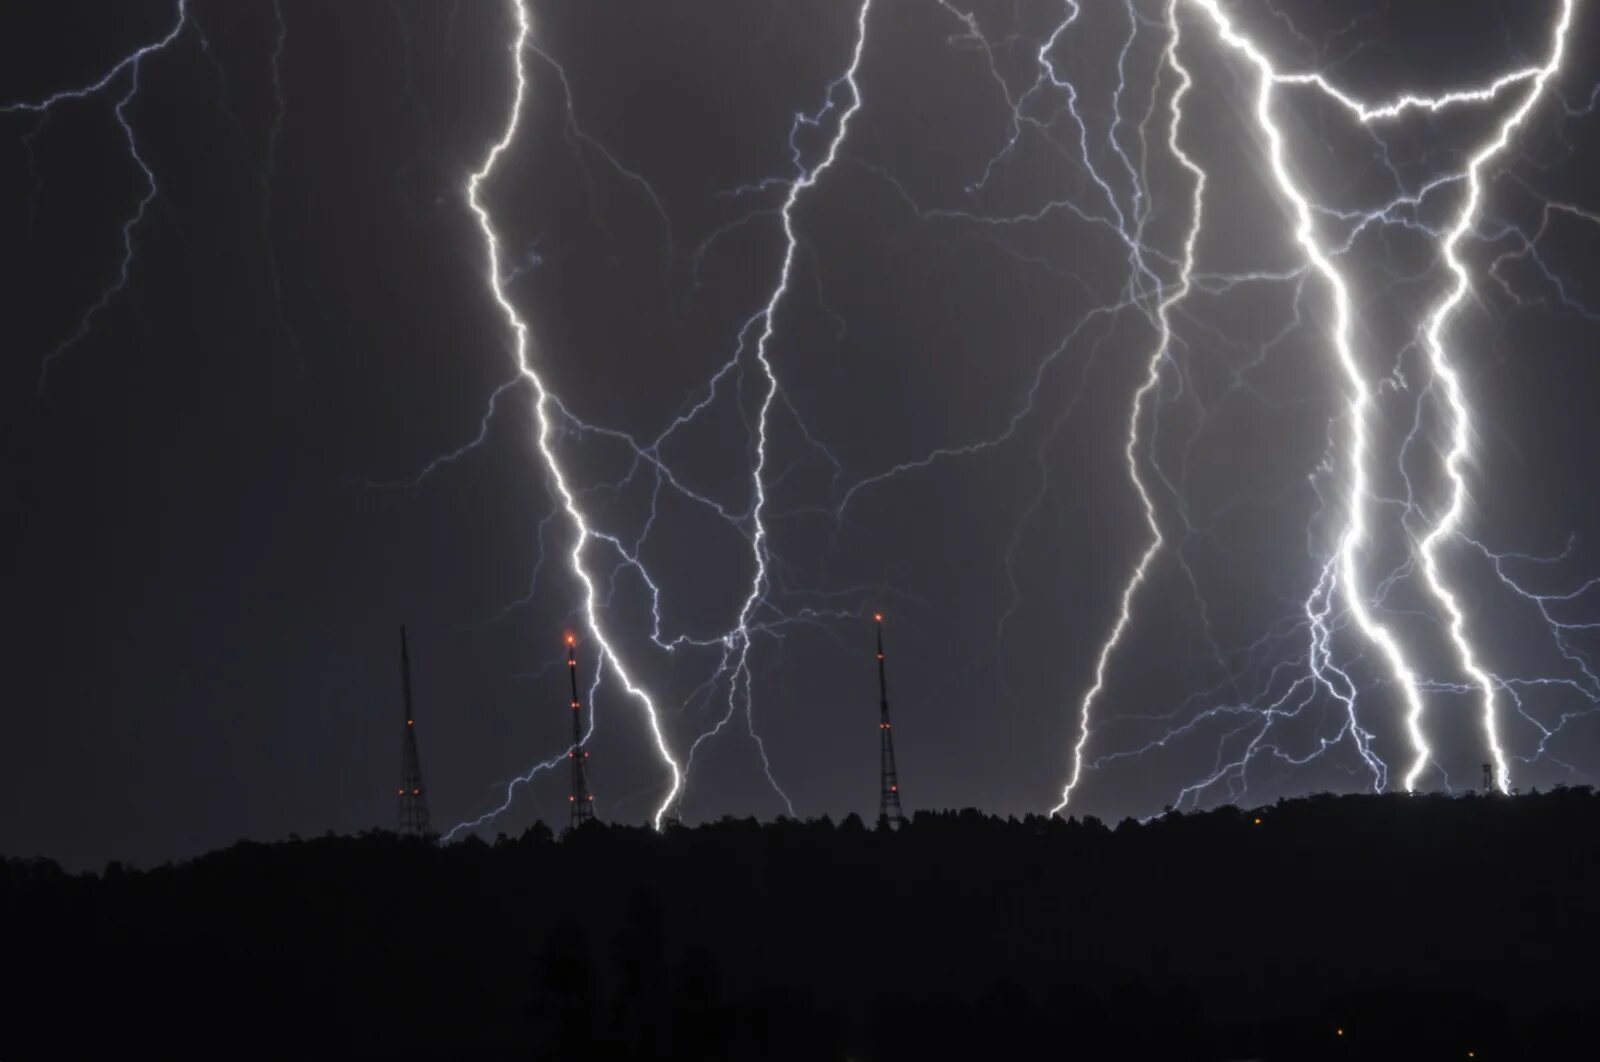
(889, 778)
(580, 798)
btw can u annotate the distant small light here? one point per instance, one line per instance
(894, 789)
(572, 799)
(402, 792)
(877, 617)
(880, 656)
(572, 639)
(411, 722)
(1258, 823)
(1336, 1032)
(416, 792)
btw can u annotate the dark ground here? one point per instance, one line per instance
(1422, 927)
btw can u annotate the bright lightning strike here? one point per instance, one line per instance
(1461, 418)
(1350, 576)
(542, 401)
(1344, 572)
(768, 317)
(1152, 378)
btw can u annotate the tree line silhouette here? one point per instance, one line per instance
(1324, 927)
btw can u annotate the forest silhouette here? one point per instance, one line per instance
(1324, 927)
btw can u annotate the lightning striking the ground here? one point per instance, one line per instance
(1165, 336)
(1447, 524)
(1346, 570)
(541, 406)
(740, 636)
(1152, 379)
(734, 645)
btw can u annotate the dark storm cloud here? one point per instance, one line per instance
(205, 580)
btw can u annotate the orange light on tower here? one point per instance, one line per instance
(580, 798)
(889, 777)
(414, 820)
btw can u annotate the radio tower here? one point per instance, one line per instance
(889, 781)
(582, 800)
(413, 797)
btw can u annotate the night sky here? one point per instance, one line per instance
(225, 496)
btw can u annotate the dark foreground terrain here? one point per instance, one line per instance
(1338, 927)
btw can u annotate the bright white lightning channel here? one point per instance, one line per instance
(1461, 430)
(1444, 371)
(1355, 532)
(542, 399)
(1152, 378)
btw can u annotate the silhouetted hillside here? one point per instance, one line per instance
(1431, 925)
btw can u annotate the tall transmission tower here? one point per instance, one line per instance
(413, 796)
(889, 778)
(582, 800)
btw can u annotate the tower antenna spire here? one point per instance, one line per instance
(414, 821)
(582, 800)
(889, 779)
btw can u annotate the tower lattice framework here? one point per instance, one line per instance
(582, 800)
(414, 821)
(888, 777)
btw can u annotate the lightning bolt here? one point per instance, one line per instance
(1461, 433)
(1343, 572)
(1108, 155)
(1349, 573)
(1152, 379)
(131, 64)
(740, 636)
(541, 407)
(758, 613)
(527, 776)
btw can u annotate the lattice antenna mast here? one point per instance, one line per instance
(414, 821)
(889, 779)
(582, 800)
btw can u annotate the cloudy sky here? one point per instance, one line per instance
(295, 420)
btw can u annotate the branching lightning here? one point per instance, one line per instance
(541, 404)
(1152, 379)
(1380, 609)
(130, 64)
(1344, 571)
(1461, 433)
(740, 636)
(733, 645)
